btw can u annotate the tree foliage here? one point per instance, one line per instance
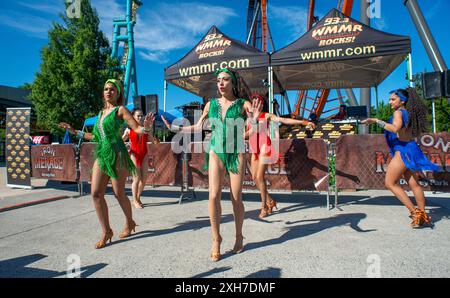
(74, 67)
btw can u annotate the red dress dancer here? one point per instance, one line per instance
(260, 138)
(138, 147)
(260, 143)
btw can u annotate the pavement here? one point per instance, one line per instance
(368, 235)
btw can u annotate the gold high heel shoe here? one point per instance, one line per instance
(420, 218)
(239, 244)
(215, 254)
(264, 212)
(104, 240)
(127, 231)
(270, 205)
(138, 204)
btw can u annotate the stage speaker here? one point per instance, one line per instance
(138, 101)
(357, 112)
(447, 83)
(433, 84)
(151, 104)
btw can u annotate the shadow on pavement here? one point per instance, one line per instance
(313, 226)
(211, 272)
(17, 267)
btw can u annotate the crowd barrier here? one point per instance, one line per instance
(303, 164)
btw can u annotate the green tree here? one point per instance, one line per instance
(382, 112)
(74, 67)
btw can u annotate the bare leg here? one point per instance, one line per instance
(261, 181)
(394, 172)
(99, 183)
(412, 179)
(268, 200)
(144, 174)
(254, 168)
(216, 170)
(119, 189)
(135, 184)
(236, 198)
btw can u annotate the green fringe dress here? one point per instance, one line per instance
(110, 146)
(220, 134)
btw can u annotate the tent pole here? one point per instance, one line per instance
(165, 100)
(410, 71)
(270, 77)
(364, 98)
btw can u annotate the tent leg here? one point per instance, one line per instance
(165, 100)
(270, 78)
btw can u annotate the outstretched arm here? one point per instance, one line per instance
(289, 121)
(84, 135)
(133, 124)
(395, 127)
(191, 128)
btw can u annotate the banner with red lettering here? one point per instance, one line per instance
(54, 162)
(302, 165)
(362, 160)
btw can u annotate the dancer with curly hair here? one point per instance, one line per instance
(408, 121)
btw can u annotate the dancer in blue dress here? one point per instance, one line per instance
(408, 121)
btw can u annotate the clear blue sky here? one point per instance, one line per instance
(167, 30)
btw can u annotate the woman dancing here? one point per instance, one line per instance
(263, 152)
(111, 159)
(139, 156)
(226, 153)
(408, 121)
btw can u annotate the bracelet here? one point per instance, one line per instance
(175, 127)
(381, 123)
(80, 134)
(145, 130)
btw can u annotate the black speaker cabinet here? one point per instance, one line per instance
(138, 101)
(447, 83)
(151, 104)
(433, 84)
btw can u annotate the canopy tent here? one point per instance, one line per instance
(339, 52)
(169, 115)
(195, 71)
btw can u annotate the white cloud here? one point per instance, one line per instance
(175, 26)
(34, 26)
(164, 27)
(48, 6)
(292, 18)
(159, 57)
(108, 10)
(27, 19)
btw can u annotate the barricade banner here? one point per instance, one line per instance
(302, 165)
(54, 162)
(164, 167)
(362, 161)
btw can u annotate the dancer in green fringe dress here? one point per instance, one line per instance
(111, 158)
(226, 153)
